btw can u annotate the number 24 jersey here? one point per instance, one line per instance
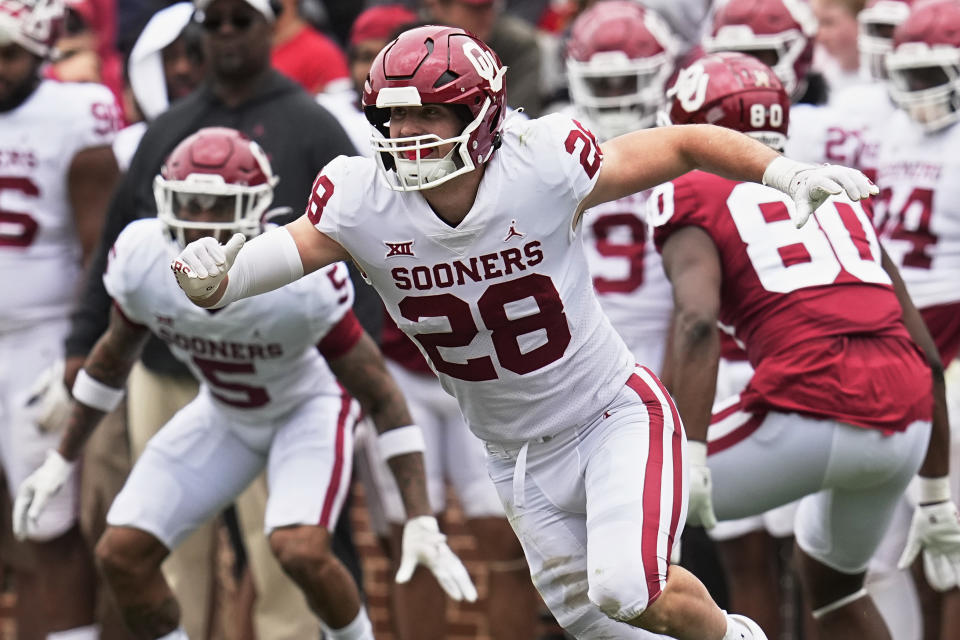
(796, 297)
(502, 305)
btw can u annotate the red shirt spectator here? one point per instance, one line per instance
(310, 58)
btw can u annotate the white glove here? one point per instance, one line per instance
(936, 529)
(810, 185)
(700, 505)
(49, 400)
(36, 490)
(424, 544)
(204, 263)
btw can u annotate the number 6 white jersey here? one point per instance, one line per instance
(502, 305)
(257, 357)
(39, 250)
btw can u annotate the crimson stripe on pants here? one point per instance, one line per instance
(652, 485)
(333, 487)
(676, 445)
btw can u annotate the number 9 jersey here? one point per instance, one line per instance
(257, 358)
(502, 305)
(813, 306)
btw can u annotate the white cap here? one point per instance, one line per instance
(263, 6)
(145, 68)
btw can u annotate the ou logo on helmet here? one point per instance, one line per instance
(485, 64)
(691, 87)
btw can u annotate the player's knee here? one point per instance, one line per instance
(302, 550)
(620, 591)
(127, 555)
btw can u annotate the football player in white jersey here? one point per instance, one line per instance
(452, 455)
(56, 175)
(619, 57)
(917, 215)
(469, 228)
(267, 400)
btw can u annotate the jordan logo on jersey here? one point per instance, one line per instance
(399, 248)
(513, 233)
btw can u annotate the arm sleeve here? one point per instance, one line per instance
(268, 262)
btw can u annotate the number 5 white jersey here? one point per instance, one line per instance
(501, 305)
(38, 240)
(257, 357)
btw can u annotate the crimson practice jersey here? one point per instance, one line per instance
(502, 305)
(256, 357)
(802, 300)
(38, 240)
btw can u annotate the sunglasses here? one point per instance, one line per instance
(239, 21)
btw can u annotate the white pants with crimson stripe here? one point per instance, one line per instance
(599, 507)
(200, 461)
(848, 479)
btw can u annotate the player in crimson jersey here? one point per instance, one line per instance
(267, 400)
(469, 228)
(839, 407)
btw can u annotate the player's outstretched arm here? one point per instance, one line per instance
(97, 391)
(363, 373)
(693, 267)
(935, 528)
(643, 159)
(268, 262)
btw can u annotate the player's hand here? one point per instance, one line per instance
(35, 492)
(810, 185)
(936, 530)
(49, 400)
(700, 506)
(424, 544)
(204, 263)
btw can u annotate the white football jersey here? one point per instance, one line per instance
(918, 211)
(40, 256)
(502, 305)
(628, 275)
(256, 357)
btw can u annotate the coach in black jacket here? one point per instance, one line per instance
(240, 91)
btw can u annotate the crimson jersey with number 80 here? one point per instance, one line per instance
(794, 296)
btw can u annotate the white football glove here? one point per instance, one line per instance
(700, 506)
(424, 544)
(935, 528)
(36, 490)
(204, 263)
(49, 401)
(810, 185)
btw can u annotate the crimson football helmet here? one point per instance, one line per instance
(876, 23)
(924, 65)
(779, 33)
(215, 170)
(732, 90)
(435, 65)
(619, 57)
(35, 25)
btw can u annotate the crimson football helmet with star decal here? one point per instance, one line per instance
(435, 65)
(35, 25)
(732, 90)
(924, 65)
(876, 23)
(619, 57)
(779, 33)
(215, 180)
